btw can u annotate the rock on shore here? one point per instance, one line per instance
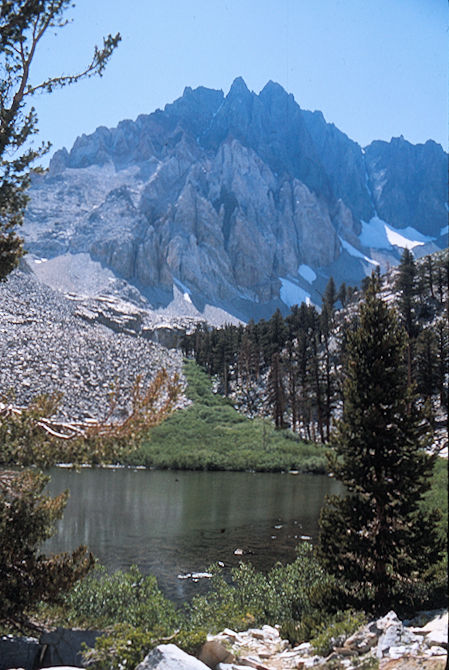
(386, 644)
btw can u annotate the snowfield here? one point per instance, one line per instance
(292, 294)
(377, 234)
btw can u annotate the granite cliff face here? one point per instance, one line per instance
(244, 202)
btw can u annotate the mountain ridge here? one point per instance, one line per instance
(230, 195)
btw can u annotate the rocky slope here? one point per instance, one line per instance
(242, 202)
(49, 343)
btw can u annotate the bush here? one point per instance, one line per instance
(125, 646)
(283, 596)
(221, 607)
(334, 631)
(103, 599)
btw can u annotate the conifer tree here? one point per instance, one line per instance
(426, 363)
(27, 577)
(23, 24)
(376, 540)
(276, 391)
(330, 296)
(343, 294)
(406, 287)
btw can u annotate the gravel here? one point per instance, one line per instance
(46, 347)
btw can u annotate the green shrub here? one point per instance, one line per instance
(221, 607)
(125, 646)
(103, 599)
(283, 596)
(334, 631)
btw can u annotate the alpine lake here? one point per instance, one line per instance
(175, 524)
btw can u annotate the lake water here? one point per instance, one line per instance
(172, 523)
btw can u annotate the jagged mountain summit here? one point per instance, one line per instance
(239, 203)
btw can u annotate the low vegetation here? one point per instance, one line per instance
(137, 617)
(301, 597)
(211, 435)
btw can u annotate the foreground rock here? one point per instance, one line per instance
(385, 643)
(169, 657)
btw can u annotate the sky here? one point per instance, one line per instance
(376, 68)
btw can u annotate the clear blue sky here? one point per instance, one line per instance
(375, 68)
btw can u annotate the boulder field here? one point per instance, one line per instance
(386, 643)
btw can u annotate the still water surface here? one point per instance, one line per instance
(171, 523)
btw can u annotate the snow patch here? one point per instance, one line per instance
(307, 273)
(186, 292)
(352, 251)
(444, 230)
(408, 238)
(292, 294)
(377, 234)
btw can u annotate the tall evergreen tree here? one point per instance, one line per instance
(376, 540)
(23, 25)
(276, 391)
(330, 296)
(406, 288)
(427, 363)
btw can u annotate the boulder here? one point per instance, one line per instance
(18, 652)
(436, 630)
(169, 657)
(63, 646)
(212, 653)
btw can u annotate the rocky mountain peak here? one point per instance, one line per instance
(195, 109)
(274, 91)
(242, 202)
(238, 89)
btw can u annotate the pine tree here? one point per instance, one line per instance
(326, 328)
(376, 540)
(406, 288)
(343, 294)
(426, 363)
(23, 24)
(276, 391)
(27, 577)
(330, 296)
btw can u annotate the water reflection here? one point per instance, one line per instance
(171, 523)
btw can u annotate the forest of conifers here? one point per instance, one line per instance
(289, 367)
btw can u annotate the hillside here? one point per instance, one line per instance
(289, 369)
(47, 345)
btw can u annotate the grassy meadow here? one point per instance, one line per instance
(211, 435)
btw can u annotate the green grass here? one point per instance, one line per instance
(211, 435)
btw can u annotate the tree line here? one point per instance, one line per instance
(289, 368)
